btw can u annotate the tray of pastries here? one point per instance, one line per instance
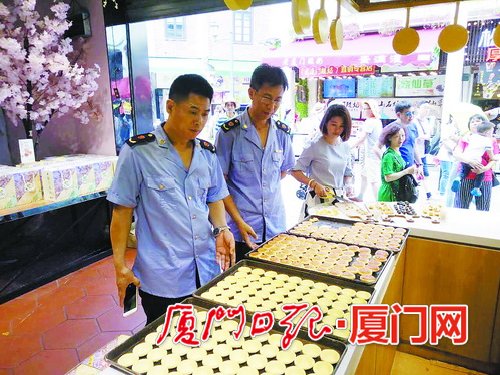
(381, 208)
(353, 210)
(433, 211)
(263, 286)
(221, 353)
(355, 233)
(360, 264)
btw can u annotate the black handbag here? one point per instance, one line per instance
(406, 189)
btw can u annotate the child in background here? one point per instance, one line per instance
(479, 143)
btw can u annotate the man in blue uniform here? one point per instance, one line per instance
(255, 154)
(173, 185)
(409, 153)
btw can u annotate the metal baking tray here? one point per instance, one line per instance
(315, 277)
(356, 280)
(338, 223)
(127, 346)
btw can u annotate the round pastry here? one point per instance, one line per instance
(180, 349)
(156, 354)
(294, 370)
(196, 354)
(158, 370)
(171, 360)
(257, 361)
(348, 292)
(263, 337)
(330, 356)
(282, 276)
(258, 271)
(202, 370)
(238, 356)
(220, 335)
(251, 347)
(229, 325)
(295, 280)
(334, 288)
(142, 366)
(368, 278)
(342, 333)
(159, 328)
(275, 368)
(244, 270)
(305, 362)
(188, 366)
(311, 350)
(229, 367)
(142, 349)
(128, 359)
(275, 339)
(223, 350)
(210, 344)
(246, 370)
(340, 306)
(212, 361)
(363, 295)
(269, 351)
(286, 356)
(151, 338)
(233, 343)
(323, 368)
(358, 301)
(344, 298)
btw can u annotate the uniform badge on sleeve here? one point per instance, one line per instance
(231, 124)
(207, 145)
(283, 126)
(141, 139)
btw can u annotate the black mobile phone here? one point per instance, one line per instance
(130, 301)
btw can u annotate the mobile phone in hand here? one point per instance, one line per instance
(130, 301)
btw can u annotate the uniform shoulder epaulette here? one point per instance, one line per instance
(207, 145)
(141, 139)
(231, 124)
(283, 126)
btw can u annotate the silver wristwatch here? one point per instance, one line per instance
(219, 230)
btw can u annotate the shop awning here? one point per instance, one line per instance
(358, 56)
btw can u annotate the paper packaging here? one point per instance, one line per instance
(85, 176)
(7, 188)
(103, 174)
(28, 185)
(59, 183)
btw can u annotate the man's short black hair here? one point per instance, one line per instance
(267, 74)
(190, 84)
(337, 110)
(484, 127)
(402, 105)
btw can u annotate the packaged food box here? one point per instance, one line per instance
(59, 183)
(7, 188)
(104, 173)
(28, 183)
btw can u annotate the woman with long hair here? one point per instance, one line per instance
(326, 164)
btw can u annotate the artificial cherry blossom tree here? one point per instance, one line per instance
(39, 79)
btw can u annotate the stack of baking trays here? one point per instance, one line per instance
(320, 262)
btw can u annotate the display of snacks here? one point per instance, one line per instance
(351, 209)
(352, 262)
(381, 208)
(433, 210)
(221, 353)
(404, 208)
(356, 233)
(324, 210)
(7, 188)
(265, 287)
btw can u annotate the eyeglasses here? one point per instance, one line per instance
(410, 113)
(267, 100)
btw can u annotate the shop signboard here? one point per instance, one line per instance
(420, 86)
(386, 105)
(311, 71)
(493, 54)
(488, 82)
(376, 87)
(339, 88)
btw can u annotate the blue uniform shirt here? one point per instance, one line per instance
(407, 149)
(172, 227)
(254, 175)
